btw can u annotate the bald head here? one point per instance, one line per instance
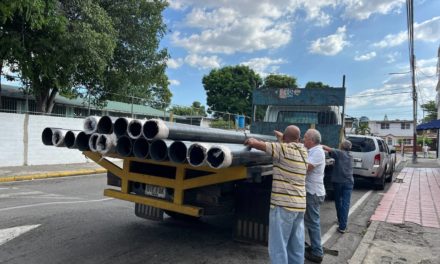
(291, 134)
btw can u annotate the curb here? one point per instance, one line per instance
(364, 245)
(51, 175)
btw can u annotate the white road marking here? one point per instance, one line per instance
(53, 203)
(332, 229)
(8, 234)
(11, 195)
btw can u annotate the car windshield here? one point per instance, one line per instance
(360, 144)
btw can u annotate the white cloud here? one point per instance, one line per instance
(264, 65)
(391, 57)
(203, 62)
(331, 44)
(361, 10)
(365, 57)
(174, 82)
(174, 63)
(428, 31)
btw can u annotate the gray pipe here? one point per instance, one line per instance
(58, 137)
(178, 150)
(70, 137)
(93, 142)
(105, 125)
(120, 126)
(197, 154)
(159, 149)
(46, 135)
(141, 148)
(106, 143)
(91, 124)
(227, 155)
(82, 141)
(124, 146)
(159, 129)
(135, 128)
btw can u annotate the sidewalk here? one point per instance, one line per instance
(405, 228)
(20, 173)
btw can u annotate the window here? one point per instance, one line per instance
(360, 144)
(405, 125)
(384, 126)
(298, 117)
(389, 141)
(381, 145)
(406, 141)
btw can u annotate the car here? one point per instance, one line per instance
(372, 159)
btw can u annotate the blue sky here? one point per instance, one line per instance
(317, 40)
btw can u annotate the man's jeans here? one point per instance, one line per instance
(313, 223)
(342, 194)
(286, 236)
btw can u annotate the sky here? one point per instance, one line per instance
(319, 40)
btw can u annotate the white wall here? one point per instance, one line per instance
(14, 134)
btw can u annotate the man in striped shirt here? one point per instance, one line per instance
(288, 198)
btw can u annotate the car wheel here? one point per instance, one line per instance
(390, 175)
(379, 184)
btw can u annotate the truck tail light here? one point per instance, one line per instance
(377, 159)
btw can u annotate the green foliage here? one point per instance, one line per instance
(224, 124)
(363, 129)
(229, 89)
(316, 85)
(196, 109)
(279, 81)
(430, 111)
(425, 139)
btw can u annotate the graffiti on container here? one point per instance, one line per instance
(288, 93)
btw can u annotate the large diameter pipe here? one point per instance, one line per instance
(106, 143)
(141, 148)
(91, 124)
(135, 128)
(227, 155)
(178, 150)
(46, 135)
(121, 125)
(93, 142)
(70, 139)
(82, 141)
(159, 129)
(197, 154)
(105, 125)
(159, 149)
(124, 146)
(58, 137)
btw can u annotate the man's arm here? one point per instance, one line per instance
(310, 167)
(326, 148)
(255, 143)
(278, 135)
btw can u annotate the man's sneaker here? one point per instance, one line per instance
(313, 258)
(342, 231)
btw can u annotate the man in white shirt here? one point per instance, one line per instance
(315, 193)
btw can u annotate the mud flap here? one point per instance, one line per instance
(148, 212)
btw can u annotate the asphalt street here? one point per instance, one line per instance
(68, 220)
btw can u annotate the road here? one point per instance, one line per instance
(68, 220)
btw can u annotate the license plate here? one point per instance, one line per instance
(156, 191)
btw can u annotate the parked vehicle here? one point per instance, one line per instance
(372, 159)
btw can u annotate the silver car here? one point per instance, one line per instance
(372, 159)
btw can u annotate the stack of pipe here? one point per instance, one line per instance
(160, 141)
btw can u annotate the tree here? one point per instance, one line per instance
(138, 67)
(424, 140)
(316, 85)
(279, 81)
(196, 109)
(229, 89)
(430, 110)
(363, 129)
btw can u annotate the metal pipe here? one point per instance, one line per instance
(159, 129)
(58, 137)
(178, 150)
(46, 135)
(105, 124)
(124, 146)
(227, 155)
(135, 128)
(197, 154)
(141, 148)
(92, 142)
(159, 149)
(70, 138)
(82, 141)
(121, 125)
(106, 143)
(91, 124)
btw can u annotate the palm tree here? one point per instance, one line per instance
(363, 129)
